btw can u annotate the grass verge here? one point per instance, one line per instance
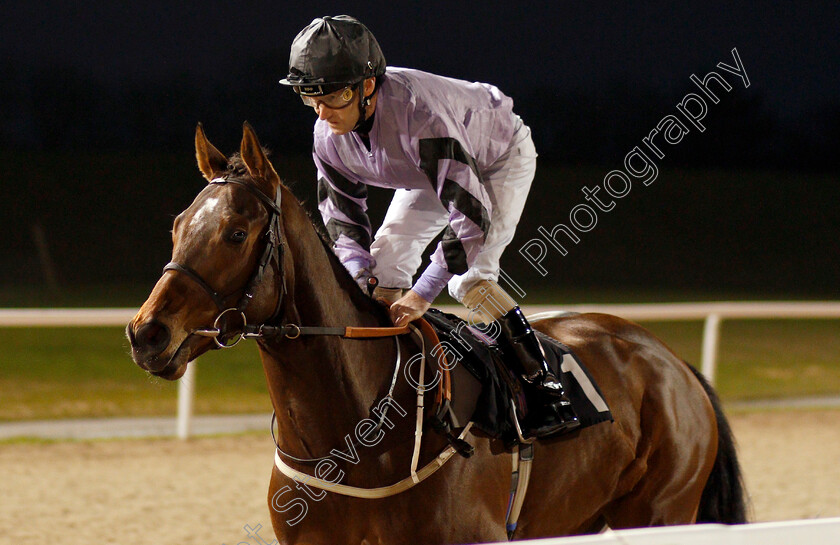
(87, 372)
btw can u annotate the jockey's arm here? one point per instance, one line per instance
(343, 207)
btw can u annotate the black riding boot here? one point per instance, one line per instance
(558, 414)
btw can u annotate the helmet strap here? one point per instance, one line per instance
(364, 102)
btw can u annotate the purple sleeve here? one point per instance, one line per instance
(432, 282)
(354, 265)
(343, 207)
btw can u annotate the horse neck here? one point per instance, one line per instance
(322, 386)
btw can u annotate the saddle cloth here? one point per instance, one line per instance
(484, 391)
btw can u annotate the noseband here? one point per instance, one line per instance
(273, 251)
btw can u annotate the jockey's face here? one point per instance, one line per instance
(342, 120)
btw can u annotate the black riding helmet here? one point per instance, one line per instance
(332, 53)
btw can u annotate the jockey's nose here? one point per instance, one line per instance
(323, 111)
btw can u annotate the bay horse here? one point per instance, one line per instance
(245, 252)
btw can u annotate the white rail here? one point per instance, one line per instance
(712, 314)
(810, 532)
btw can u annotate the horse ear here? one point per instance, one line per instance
(211, 162)
(259, 167)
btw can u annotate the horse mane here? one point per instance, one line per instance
(236, 167)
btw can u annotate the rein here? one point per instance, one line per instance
(273, 250)
(292, 331)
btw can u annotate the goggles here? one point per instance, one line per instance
(334, 101)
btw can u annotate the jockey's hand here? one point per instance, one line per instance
(408, 308)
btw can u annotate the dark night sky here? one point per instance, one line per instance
(790, 50)
(591, 79)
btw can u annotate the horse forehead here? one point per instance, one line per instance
(212, 203)
(218, 202)
(207, 209)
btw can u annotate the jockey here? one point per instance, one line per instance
(460, 161)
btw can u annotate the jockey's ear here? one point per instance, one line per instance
(370, 85)
(259, 167)
(211, 162)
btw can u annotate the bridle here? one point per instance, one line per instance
(274, 251)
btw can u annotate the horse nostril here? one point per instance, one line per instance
(152, 335)
(129, 332)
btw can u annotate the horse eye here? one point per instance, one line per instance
(238, 236)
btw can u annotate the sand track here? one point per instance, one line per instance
(204, 491)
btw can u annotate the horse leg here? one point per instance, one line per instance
(655, 502)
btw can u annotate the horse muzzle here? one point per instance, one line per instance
(152, 349)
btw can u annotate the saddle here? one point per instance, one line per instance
(487, 393)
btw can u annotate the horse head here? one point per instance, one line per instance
(226, 256)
